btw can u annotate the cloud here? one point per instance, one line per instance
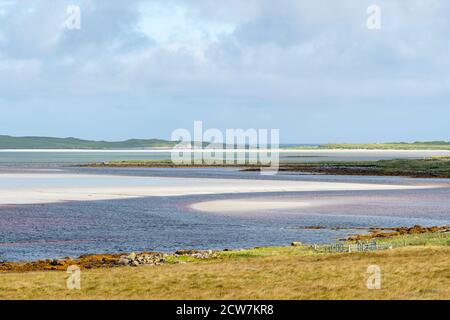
(295, 57)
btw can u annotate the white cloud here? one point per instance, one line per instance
(291, 49)
(294, 54)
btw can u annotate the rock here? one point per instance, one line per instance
(132, 256)
(135, 263)
(296, 244)
(186, 252)
(55, 262)
(124, 262)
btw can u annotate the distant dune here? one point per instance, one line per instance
(419, 145)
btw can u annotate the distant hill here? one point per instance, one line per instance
(8, 142)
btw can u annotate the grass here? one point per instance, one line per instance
(412, 272)
(424, 239)
(169, 164)
(432, 145)
(438, 167)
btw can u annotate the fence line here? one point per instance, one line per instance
(362, 246)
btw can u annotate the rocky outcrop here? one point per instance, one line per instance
(96, 261)
(198, 254)
(377, 233)
(154, 259)
(135, 260)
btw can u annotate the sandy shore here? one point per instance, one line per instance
(34, 188)
(247, 205)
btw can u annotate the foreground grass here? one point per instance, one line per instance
(268, 273)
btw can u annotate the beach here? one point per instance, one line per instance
(38, 188)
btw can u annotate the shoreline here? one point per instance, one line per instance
(115, 260)
(429, 167)
(246, 205)
(278, 273)
(54, 188)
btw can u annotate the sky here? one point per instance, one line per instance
(141, 69)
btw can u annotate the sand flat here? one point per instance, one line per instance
(34, 188)
(247, 205)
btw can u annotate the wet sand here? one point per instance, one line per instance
(37, 188)
(247, 205)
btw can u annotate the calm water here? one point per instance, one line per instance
(39, 158)
(29, 232)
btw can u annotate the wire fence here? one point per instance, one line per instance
(363, 246)
(373, 245)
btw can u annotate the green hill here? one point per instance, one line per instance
(8, 142)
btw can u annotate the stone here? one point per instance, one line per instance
(296, 244)
(132, 256)
(55, 262)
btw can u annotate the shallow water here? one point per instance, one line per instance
(56, 158)
(29, 232)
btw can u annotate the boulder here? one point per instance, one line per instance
(132, 256)
(123, 261)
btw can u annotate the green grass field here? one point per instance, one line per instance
(419, 270)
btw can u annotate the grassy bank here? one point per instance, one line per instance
(162, 164)
(407, 273)
(436, 167)
(421, 168)
(411, 272)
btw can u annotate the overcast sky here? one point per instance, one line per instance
(142, 69)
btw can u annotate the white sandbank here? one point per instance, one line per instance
(34, 188)
(246, 205)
